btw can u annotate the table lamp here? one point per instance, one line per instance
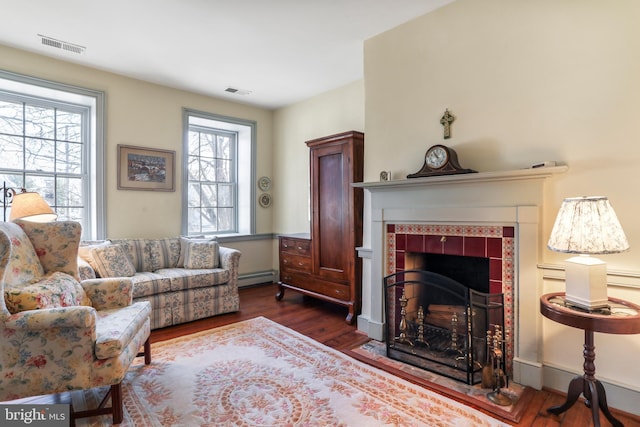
(30, 206)
(587, 226)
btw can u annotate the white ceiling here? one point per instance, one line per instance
(283, 51)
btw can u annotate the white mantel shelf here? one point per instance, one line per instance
(480, 177)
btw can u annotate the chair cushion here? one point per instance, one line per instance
(116, 328)
(56, 290)
(56, 244)
(112, 261)
(201, 254)
(23, 265)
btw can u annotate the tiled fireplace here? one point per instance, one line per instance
(405, 243)
(494, 215)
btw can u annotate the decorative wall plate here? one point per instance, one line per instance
(265, 200)
(264, 183)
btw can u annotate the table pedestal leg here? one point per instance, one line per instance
(587, 385)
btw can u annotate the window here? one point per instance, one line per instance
(49, 139)
(217, 175)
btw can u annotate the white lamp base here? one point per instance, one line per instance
(586, 281)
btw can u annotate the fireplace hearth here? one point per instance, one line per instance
(439, 324)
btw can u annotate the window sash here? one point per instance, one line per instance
(212, 185)
(72, 186)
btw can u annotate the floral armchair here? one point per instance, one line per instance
(59, 334)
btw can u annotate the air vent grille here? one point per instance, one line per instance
(59, 44)
(237, 91)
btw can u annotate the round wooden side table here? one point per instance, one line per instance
(619, 317)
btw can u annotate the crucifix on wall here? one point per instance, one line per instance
(446, 121)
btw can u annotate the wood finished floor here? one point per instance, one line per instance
(325, 323)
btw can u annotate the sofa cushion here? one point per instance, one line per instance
(112, 261)
(56, 244)
(116, 328)
(56, 290)
(183, 278)
(200, 254)
(146, 283)
(85, 251)
(185, 244)
(169, 253)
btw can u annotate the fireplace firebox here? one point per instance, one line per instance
(439, 324)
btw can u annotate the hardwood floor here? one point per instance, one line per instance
(325, 323)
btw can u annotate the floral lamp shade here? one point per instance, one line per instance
(587, 226)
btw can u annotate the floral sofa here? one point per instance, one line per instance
(59, 333)
(183, 279)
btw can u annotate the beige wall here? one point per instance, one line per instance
(527, 81)
(149, 115)
(336, 111)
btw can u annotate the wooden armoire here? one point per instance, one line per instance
(325, 264)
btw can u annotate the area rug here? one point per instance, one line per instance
(260, 373)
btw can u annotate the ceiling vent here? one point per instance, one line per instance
(237, 91)
(59, 44)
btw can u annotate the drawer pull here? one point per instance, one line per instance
(285, 245)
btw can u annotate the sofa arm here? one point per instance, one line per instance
(85, 271)
(112, 292)
(52, 318)
(229, 258)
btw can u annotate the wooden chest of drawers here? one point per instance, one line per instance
(295, 260)
(296, 271)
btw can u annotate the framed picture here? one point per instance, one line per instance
(141, 168)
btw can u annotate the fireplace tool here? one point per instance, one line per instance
(495, 345)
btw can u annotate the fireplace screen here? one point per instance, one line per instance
(436, 323)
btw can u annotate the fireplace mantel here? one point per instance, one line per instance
(476, 178)
(505, 198)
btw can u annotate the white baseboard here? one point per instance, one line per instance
(374, 330)
(256, 278)
(527, 373)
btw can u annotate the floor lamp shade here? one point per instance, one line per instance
(587, 226)
(31, 206)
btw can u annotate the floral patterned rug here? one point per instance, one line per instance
(260, 373)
